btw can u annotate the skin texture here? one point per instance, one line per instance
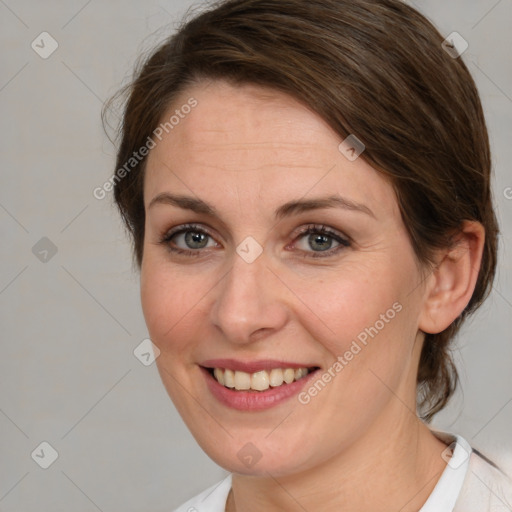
(246, 151)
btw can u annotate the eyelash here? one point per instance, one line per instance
(307, 230)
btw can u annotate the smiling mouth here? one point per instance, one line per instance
(258, 381)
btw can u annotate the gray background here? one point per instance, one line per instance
(70, 324)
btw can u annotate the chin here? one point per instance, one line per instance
(258, 458)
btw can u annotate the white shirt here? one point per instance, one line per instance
(469, 483)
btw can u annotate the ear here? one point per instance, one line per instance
(452, 282)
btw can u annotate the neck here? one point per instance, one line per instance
(394, 467)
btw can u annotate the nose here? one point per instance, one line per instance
(249, 304)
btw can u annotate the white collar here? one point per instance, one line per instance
(448, 488)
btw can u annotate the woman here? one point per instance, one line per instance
(307, 185)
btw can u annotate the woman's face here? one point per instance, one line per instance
(232, 279)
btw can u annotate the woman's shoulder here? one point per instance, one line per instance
(486, 487)
(212, 499)
(471, 482)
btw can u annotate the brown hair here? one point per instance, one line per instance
(373, 68)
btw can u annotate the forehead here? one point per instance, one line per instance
(248, 120)
(259, 141)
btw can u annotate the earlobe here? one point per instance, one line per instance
(453, 279)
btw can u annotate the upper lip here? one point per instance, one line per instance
(252, 366)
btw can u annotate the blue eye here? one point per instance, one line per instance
(192, 239)
(188, 239)
(319, 239)
(314, 241)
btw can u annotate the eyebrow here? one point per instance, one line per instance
(286, 210)
(305, 205)
(184, 202)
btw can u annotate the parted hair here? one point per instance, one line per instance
(373, 68)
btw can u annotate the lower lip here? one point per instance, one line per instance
(255, 400)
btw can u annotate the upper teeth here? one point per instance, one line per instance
(259, 381)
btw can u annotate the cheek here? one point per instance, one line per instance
(364, 317)
(347, 302)
(172, 303)
(366, 354)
